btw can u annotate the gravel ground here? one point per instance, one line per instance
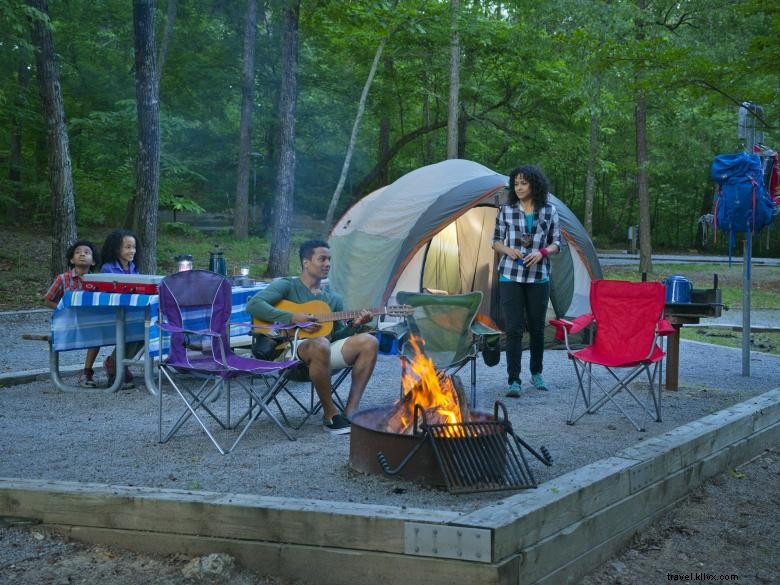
(93, 436)
(111, 438)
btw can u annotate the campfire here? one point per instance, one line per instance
(440, 398)
(431, 436)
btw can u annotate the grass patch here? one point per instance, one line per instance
(764, 342)
(765, 283)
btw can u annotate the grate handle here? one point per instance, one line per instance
(385, 465)
(545, 457)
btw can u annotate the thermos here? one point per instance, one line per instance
(217, 262)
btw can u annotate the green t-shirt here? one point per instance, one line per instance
(290, 288)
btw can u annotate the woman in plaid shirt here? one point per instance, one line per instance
(527, 232)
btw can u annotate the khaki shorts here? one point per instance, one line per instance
(337, 361)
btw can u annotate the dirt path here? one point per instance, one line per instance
(729, 529)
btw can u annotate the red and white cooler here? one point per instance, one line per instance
(142, 284)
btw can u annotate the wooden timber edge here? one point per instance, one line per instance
(573, 523)
(554, 534)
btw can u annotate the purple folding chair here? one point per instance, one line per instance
(195, 308)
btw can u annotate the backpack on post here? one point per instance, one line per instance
(742, 203)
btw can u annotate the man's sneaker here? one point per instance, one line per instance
(514, 390)
(338, 425)
(87, 378)
(538, 382)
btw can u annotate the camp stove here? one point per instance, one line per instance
(481, 455)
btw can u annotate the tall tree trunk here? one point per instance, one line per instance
(453, 107)
(334, 200)
(643, 192)
(385, 107)
(427, 147)
(593, 155)
(645, 245)
(15, 154)
(147, 192)
(63, 209)
(590, 178)
(241, 208)
(384, 146)
(281, 239)
(162, 55)
(463, 126)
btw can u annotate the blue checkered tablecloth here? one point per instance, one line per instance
(88, 319)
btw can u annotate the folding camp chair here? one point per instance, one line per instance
(447, 325)
(313, 406)
(300, 374)
(629, 320)
(194, 308)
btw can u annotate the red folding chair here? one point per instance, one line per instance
(629, 320)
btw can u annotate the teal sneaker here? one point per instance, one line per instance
(514, 390)
(538, 382)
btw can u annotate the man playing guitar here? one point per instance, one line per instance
(344, 347)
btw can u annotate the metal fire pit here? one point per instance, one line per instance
(481, 455)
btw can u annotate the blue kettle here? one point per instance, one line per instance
(678, 290)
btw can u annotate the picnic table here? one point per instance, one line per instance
(85, 319)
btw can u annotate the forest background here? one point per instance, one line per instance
(261, 109)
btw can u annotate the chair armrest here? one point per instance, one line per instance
(176, 329)
(482, 330)
(664, 328)
(563, 326)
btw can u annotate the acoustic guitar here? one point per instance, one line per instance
(324, 316)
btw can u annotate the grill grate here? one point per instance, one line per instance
(478, 457)
(475, 456)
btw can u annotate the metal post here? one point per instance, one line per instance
(746, 307)
(748, 132)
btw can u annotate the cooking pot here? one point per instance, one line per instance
(678, 290)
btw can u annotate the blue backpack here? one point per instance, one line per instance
(742, 203)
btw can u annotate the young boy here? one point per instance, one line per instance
(82, 257)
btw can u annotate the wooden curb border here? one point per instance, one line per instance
(554, 534)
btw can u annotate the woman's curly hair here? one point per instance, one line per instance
(540, 186)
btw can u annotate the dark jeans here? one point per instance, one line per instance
(524, 306)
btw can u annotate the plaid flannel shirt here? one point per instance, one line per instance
(510, 225)
(65, 281)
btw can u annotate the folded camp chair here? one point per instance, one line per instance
(195, 310)
(629, 320)
(452, 337)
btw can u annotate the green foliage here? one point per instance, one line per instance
(532, 74)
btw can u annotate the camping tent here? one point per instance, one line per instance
(433, 228)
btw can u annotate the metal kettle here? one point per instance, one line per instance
(217, 262)
(678, 290)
